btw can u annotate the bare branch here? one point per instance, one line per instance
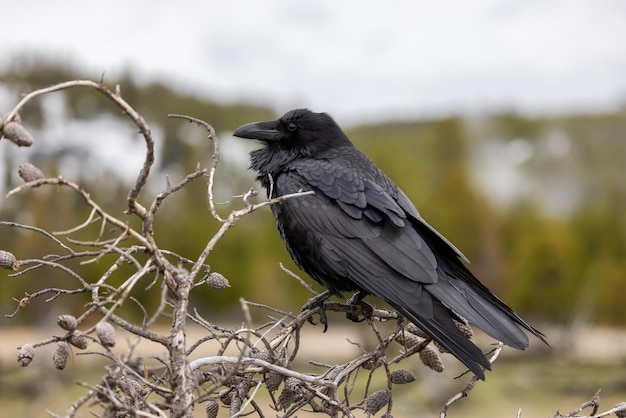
(247, 361)
(116, 97)
(470, 385)
(214, 160)
(38, 230)
(60, 181)
(262, 355)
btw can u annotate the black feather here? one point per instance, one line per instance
(359, 232)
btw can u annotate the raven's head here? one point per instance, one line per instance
(299, 131)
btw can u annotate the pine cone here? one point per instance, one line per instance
(431, 358)
(17, 134)
(29, 172)
(408, 339)
(212, 408)
(216, 281)
(401, 376)
(77, 339)
(61, 354)
(465, 328)
(376, 401)
(67, 322)
(25, 355)
(372, 364)
(105, 333)
(8, 260)
(414, 329)
(273, 380)
(286, 398)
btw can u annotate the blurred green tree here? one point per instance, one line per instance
(545, 264)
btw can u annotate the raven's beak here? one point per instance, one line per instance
(263, 131)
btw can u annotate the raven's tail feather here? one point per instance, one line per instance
(460, 290)
(442, 329)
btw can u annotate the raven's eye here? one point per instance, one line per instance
(291, 127)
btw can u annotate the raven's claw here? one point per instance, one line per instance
(318, 302)
(357, 300)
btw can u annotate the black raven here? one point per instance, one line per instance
(360, 232)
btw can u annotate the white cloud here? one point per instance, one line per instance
(352, 58)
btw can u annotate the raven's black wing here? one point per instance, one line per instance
(354, 231)
(457, 287)
(463, 292)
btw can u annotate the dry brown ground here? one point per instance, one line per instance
(599, 344)
(537, 386)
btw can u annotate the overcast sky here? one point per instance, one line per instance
(359, 60)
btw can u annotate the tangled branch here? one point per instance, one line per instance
(251, 360)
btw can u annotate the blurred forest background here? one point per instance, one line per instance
(536, 203)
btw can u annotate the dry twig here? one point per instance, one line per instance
(264, 355)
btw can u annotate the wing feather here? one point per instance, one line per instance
(353, 234)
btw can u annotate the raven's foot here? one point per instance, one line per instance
(357, 300)
(318, 302)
